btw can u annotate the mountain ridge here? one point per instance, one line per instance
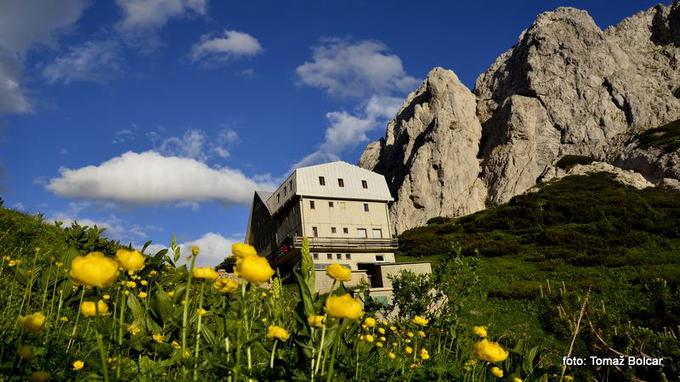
(566, 88)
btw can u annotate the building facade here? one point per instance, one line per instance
(344, 212)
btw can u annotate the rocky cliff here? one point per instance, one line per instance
(566, 87)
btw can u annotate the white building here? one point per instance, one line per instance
(343, 210)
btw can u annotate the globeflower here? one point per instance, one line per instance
(130, 260)
(338, 272)
(88, 309)
(315, 321)
(369, 322)
(225, 284)
(206, 273)
(94, 270)
(242, 250)
(344, 307)
(158, 337)
(134, 329)
(517, 379)
(255, 269)
(408, 350)
(424, 355)
(142, 294)
(490, 351)
(195, 250)
(33, 322)
(496, 371)
(26, 353)
(418, 320)
(77, 365)
(277, 332)
(480, 331)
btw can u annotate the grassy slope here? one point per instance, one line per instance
(585, 231)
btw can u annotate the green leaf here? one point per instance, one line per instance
(306, 295)
(164, 307)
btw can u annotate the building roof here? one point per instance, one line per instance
(304, 181)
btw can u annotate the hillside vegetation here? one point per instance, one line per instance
(578, 234)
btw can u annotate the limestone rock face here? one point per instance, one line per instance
(566, 87)
(429, 155)
(626, 177)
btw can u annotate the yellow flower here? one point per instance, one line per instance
(408, 341)
(201, 312)
(158, 337)
(420, 321)
(12, 263)
(381, 330)
(344, 307)
(106, 297)
(39, 376)
(315, 321)
(176, 345)
(497, 372)
(414, 365)
(369, 322)
(338, 272)
(490, 351)
(255, 269)
(131, 261)
(26, 353)
(517, 379)
(242, 250)
(195, 250)
(33, 322)
(88, 309)
(383, 339)
(206, 273)
(142, 294)
(379, 344)
(409, 334)
(153, 273)
(469, 364)
(421, 333)
(277, 332)
(568, 378)
(63, 319)
(368, 338)
(144, 282)
(225, 284)
(408, 350)
(131, 284)
(94, 270)
(480, 331)
(391, 355)
(424, 355)
(77, 365)
(393, 328)
(134, 329)
(171, 294)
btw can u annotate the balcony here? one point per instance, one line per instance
(341, 244)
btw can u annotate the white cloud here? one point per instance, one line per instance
(153, 14)
(95, 61)
(347, 130)
(23, 24)
(359, 69)
(197, 145)
(214, 248)
(233, 44)
(151, 178)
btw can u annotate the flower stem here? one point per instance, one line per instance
(75, 326)
(271, 359)
(198, 331)
(185, 315)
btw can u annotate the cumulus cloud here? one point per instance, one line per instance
(232, 44)
(23, 24)
(95, 61)
(354, 69)
(214, 248)
(347, 130)
(154, 14)
(151, 178)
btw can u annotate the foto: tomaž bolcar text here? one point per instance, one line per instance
(612, 361)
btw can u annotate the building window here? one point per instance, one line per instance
(332, 229)
(377, 233)
(364, 184)
(345, 230)
(330, 204)
(278, 198)
(365, 207)
(311, 205)
(379, 258)
(322, 181)
(315, 232)
(290, 185)
(341, 182)
(329, 256)
(348, 256)
(338, 256)
(285, 190)
(316, 256)
(362, 233)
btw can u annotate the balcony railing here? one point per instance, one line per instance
(332, 244)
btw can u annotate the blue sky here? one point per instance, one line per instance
(154, 117)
